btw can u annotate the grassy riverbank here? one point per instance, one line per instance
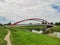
(21, 37)
(31, 27)
(56, 28)
(3, 32)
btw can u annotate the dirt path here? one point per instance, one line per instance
(7, 38)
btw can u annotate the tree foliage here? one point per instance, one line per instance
(57, 23)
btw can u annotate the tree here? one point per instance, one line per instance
(43, 22)
(57, 23)
(1, 24)
(51, 23)
(30, 23)
(8, 23)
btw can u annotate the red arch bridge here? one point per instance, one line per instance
(44, 22)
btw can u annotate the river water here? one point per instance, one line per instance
(54, 34)
(35, 31)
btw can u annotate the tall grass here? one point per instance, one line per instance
(3, 32)
(21, 37)
(56, 28)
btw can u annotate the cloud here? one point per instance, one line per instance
(2, 0)
(4, 20)
(56, 7)
(22, 9)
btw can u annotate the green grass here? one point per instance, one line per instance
(31, 27)
(21, 37)
(3, 32)
(57, 28)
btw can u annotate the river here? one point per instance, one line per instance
(54, 34)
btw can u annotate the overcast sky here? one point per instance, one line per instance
(16, 10)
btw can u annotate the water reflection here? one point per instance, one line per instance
(56, 34)
(35, 31)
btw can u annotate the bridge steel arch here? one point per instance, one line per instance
(35, 19)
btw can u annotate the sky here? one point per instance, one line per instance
(16, 10)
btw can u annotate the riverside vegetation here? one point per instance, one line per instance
(21, 37)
